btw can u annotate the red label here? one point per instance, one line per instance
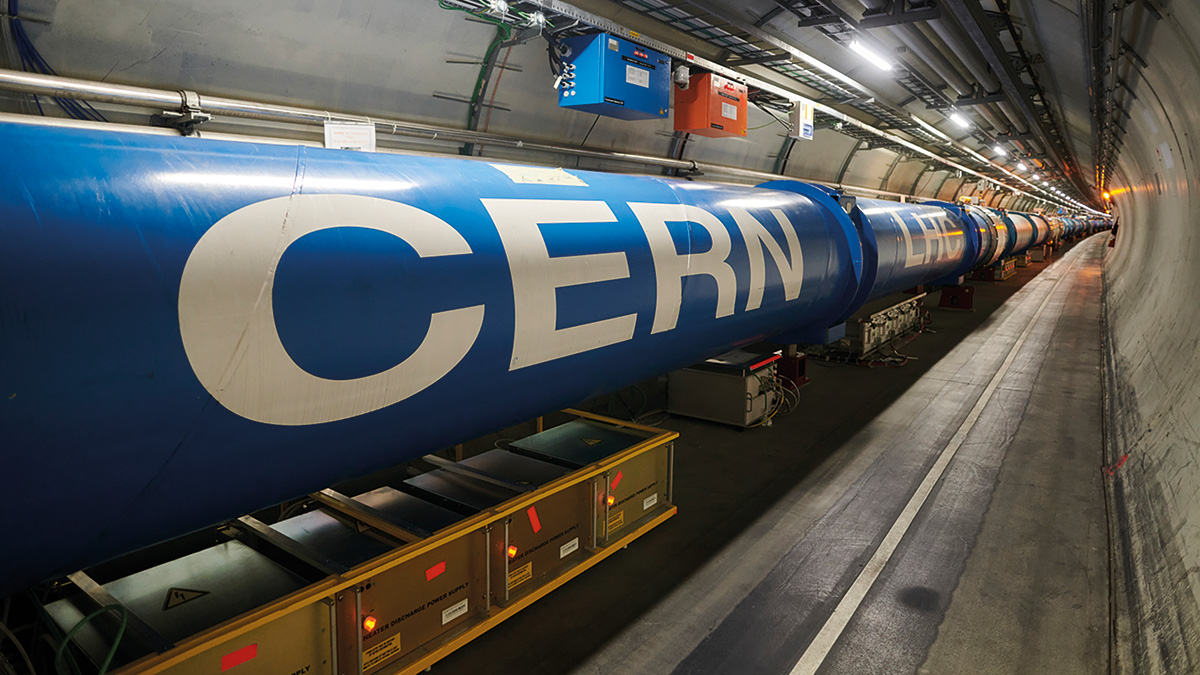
(533, 520)
(774, 357)
(617, 480)
(239, 657)
(435, 571)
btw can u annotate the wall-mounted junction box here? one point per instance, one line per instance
(711, 106)
(614, 77)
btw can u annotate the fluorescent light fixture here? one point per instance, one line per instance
(930, 128)
(958, 119)
(1000, 151)
(1021, 166)
(865, 52)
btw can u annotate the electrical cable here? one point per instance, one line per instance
(481, 14)
(32, 61)
(20, 648)
(589, 132)
(480, 82)
(52, 636)
(663, 414)
(487, 121)
(786, 125)
(121, 611)
(632, 416)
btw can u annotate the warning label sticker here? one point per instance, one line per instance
(381, 652)
(454, 611)
(520, 575)
(649, 501)
(728, 111)
(178, 596)
(568, 548)
(616, 521)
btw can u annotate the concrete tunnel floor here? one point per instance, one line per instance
(1004, 569)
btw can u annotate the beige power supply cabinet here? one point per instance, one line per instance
(734, 388)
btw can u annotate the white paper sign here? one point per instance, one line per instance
(728, 110)
(453, 612)
(568, 548)
(350, 136)
(538, 175)
(637, 76)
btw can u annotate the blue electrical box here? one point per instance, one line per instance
(611, 76)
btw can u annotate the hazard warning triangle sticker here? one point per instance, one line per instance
(591, 441)
(178, 596)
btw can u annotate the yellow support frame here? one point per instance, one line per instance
(323, 590)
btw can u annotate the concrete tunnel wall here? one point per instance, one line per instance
(373, 66)
(1152, 283)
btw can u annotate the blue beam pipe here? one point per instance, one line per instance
(193, 329)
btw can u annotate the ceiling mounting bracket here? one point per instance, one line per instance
(898, 12)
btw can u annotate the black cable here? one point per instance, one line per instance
(589, 132)
(763, 108)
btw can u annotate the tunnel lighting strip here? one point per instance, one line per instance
(609, 26)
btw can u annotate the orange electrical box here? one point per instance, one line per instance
(711, 106)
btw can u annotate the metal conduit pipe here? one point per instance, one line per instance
(938, 62)
(920, 43)
(928, 52)
(964, 50)
(924, 49)
(63, 87)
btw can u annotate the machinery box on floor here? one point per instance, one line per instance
(386, 582)
(733, 388)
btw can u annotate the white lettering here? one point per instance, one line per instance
(227, 319)
(938, 229)
(934, 237)
(955, 241)
(536, 276)
(670, 266)
(910, 259)
(792, 273)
